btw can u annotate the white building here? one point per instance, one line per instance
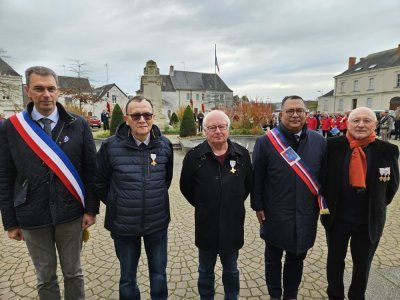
(182, 88)
(11, 95)
(373, 81)
(111, 93)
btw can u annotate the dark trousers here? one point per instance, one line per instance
(230, 274)
(128, 253)
(362, 253)
(292, 272)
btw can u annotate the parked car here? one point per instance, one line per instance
(94, 121)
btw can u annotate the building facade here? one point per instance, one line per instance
(203, 91)
(11, 90)
(373, 81)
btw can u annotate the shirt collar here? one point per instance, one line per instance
(146, 141)
(54, 116)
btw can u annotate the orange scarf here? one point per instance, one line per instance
(358, 160)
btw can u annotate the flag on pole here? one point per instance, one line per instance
(216, 60)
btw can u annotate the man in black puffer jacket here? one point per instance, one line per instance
(36, 206)
(132, 178)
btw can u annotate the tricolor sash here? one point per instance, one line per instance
(298, 166)
(51, 154)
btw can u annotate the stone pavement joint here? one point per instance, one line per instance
(101, 267)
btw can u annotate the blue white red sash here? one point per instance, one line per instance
(52, 155)
(298, 166)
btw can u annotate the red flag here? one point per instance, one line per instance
(202, 107)
(108, 107)
(191, 103)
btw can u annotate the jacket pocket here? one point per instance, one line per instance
(20, 194)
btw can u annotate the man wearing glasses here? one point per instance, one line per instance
(216, 179)
(286, 163)
(134, 172)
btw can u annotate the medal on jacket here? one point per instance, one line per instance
(153, 158)
(233, 164)
(385, 174)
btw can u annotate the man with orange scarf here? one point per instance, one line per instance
(361, 179)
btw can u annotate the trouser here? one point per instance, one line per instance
(230, 274)
(128, 252)
(385, 134)
(362, 253)
(292, 272)
(42, 244)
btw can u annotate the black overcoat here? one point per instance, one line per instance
(218, 195)
(380, 193)
(32, 196)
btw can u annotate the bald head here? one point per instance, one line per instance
(363, 111)
(216, 113)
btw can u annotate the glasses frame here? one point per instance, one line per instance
(137, 116)
(298, 111)
(213, 128)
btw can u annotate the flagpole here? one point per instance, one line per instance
(215, 73)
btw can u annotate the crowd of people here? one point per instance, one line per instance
(52, 182)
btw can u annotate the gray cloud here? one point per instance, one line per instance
(265, 49)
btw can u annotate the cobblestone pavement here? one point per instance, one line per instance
(101, 267)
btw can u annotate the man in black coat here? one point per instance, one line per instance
(286, 208)
(105, 118)
(38, 203)
(362, 177)
(216, 179)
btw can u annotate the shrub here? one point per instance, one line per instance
(117, 118)
(188, 125)
(174, 119)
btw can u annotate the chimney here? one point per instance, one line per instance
(171, 70)
(352, 61)
(398, 49)
(361, 59)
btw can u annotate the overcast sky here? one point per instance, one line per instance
(265, 49)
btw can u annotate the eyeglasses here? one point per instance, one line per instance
(298, 111)
(221, 127)
(136, 117)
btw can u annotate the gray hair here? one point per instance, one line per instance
(216, 111)
(39, 70)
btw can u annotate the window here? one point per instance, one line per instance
(114, 98)
(358, 69)
(325, 105)
(108, 94)
(371, 84)
(369, 102)
(398, 80)
(341, 104)
(342, 87)
(187, 96)
(355, 89)
(221, 97)
(197, 96)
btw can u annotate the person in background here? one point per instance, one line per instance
(386, 125)
(326, 125)
(47, 162)
(2, 118)
(105, 119)
(361, 178)
(216, 179)
(133, 174)
(287, 206)
(311, 121)
(200, 117)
